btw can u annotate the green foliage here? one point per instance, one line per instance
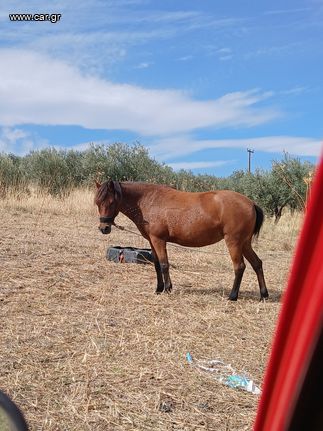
(292, 172)
(120, 161)
(12, 177)
(187, 181)
(283, 186)
(57, 172)
(48, 169)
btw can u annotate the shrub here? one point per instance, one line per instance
(48, 170)
(12, 178)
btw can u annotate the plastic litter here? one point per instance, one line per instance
(225, 374)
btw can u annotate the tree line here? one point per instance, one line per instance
(57, 172)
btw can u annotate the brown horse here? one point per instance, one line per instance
(163, 214)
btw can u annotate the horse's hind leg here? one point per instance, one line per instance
(238, 266)
(161, 265)
(256, 264)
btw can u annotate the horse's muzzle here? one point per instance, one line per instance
(105, 229)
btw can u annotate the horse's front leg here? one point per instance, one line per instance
(161, 265)
(160, 280)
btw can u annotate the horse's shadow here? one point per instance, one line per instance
(189, 290)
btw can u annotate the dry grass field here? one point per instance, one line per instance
(87, 345)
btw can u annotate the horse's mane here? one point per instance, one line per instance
(148, 185)
(102, 193)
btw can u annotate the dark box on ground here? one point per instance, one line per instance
(129, 255)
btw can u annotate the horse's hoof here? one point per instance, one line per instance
(264, 295)
(233, 298)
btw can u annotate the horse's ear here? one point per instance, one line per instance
(111, 186)
(98, 185)
(117, 190)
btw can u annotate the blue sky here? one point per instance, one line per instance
(196, 82)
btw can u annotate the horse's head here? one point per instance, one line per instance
(108, 199)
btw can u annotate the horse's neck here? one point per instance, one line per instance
(131, 195)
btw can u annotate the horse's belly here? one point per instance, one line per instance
(196, 236)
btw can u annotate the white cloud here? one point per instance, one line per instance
(170, 148)
(39, 90)
(143, 65)
(286, 11)
(185, 58)
(225, 54)
(198, 165)
(19, 141)
(295, 91)
(275, 50)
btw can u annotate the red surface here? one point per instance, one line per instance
(299, 323)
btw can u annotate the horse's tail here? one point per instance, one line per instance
(259, 220)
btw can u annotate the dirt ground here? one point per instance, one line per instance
(87, 345)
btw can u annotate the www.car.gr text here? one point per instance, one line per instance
(52, 17)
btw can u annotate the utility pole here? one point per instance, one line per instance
(249, 159)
